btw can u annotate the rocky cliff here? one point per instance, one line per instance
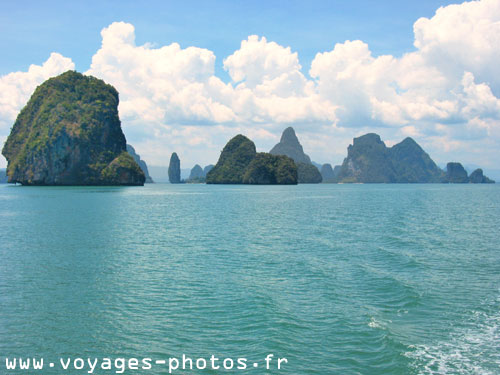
(290, 146)
(327, 173)
(412, 164)
(370, 161)
(477, 177)
(233, 161)
(456, 173)
(69, 133)
(174, 169)
(141, 163)
(308, 174)
(268, 169)
(3, 176)
(207, 169)
(239, 163)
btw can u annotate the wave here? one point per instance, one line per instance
(472, 348)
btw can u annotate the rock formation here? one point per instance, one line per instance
(174, 169)
(196, 173)
(308, 174)
(233, 161)
(327, 173)
(207, 169)
(268, 169)
(456, 173)
(336, 170)
(69, 133)
(290, 146)
(412, 164)
(477, 177)
(367, 160)
(141, 163)
(239, 163)
(370, 161)
(3, 176)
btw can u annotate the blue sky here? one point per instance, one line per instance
(193, 74)
(31, 30)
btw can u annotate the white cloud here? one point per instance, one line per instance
(16, 88)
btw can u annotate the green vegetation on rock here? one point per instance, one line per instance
(68, 134)
(122, 168)
(308, 174)
(412, 164)
(370, 161)
(267, 169)
(239, 163)
(290, 146)
(233, 161)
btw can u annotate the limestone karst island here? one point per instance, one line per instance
(69, 133)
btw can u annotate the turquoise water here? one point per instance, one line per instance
(339, 279)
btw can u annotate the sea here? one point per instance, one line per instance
(320, 279)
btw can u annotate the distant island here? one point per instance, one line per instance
(141, 163)
(69, 133)
(239, 163)
(290, 146)
(198, 174)
(369, 160)
(174, 169)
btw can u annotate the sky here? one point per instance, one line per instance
(193, 74)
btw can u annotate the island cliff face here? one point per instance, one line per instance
(370, 161)
(174, 169)
(69, 133)
(456, 173)
(327, 173)
(308, 174)
(412, 164)
(477, 177)
(233, 161)
(207, 169)
(3, 176)
(141, 163)
(290, 146)
(267, 169)
(239, 163)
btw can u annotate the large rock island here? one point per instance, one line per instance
(369, 160)
(69, 133)
(239, 163)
